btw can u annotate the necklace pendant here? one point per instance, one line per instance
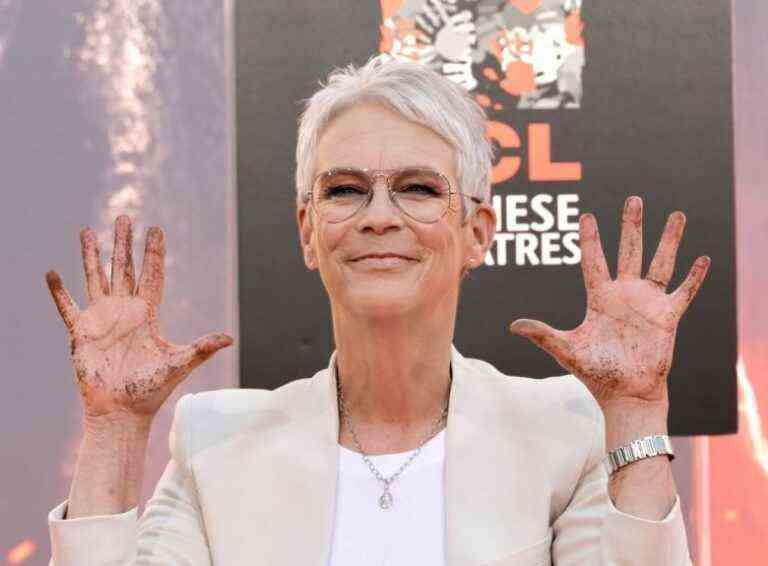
(386, 501)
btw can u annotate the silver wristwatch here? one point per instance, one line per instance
(646, 447)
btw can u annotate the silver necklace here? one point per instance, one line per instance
(385, 499)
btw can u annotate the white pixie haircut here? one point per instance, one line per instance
(417, 93)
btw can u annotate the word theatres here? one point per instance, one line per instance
(535, 230)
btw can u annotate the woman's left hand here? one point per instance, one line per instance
(623, 349)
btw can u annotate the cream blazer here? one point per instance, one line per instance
(252, 481)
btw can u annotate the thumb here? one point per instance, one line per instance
(187, 358)
(549, 339)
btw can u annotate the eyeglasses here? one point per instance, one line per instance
(421, 193)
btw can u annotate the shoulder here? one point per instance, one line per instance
(565, 393)
(555, 421)
(211, 417)
(233, 401)
(554, 413)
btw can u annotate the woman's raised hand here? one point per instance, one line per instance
(122, 366)
(623, 349)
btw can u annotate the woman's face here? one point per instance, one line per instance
(433, 255)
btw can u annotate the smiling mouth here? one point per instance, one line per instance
(383, 257)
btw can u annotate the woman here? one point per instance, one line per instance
(402, 451)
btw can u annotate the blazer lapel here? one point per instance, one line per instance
(488, 486)
(307, 533)
(277, 489)
(465, 523)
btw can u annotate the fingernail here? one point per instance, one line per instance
(633, 204)
(590, 223)
(156, 233)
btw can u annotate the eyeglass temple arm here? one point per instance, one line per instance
(473, 198)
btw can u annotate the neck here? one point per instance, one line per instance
(395, 376)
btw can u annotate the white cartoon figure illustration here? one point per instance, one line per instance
(529, 51)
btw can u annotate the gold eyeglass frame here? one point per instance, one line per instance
(388, 174)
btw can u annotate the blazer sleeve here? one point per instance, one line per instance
(593, 531)
(169, 532)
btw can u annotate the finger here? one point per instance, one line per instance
(593, 265)
(687, 290)
(631, 244)
(67, 307)
(544, 336)
(122, 258)
(153, 267)
(96, 284)
(663, 264)
(187, 358)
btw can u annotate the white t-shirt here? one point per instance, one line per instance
(412, 531)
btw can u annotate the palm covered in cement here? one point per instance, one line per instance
(122, 365)
(623, 349)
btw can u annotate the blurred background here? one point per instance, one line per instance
(106, 107)
(110, 107)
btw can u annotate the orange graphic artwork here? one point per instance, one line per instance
(483, 100)
(541, 167)
(389, 7)
(573, 28)
(525, 6)
(405, 32)
(540, 164)
(525, 54)
(506, 137)
(520, 78)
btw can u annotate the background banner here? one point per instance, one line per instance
(588, 102)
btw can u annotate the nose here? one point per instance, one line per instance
(380, 214)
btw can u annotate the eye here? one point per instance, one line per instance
(417, 189)
(344, 190)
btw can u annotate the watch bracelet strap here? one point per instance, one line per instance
(639, 449)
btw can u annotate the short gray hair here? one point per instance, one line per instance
(417, 93)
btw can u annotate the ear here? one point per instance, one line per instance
(304, 219)
(481, 227)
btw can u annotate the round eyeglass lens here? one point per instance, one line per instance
(422, 194)
(339, 194)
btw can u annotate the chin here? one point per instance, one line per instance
(378, 301)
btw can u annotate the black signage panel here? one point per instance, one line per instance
(589, 101)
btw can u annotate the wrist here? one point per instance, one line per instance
(114, 438)
(118, 423)
(110, 465)
(630, 419)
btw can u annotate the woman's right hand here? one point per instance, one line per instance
(123, 368)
